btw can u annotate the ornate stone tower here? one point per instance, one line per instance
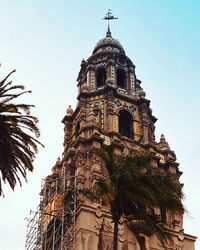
(111, 108)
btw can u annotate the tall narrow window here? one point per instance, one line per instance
(101, 77)
(121, 78)
(125, 123)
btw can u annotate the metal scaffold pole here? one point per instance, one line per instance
(53, 225)
(32, 231)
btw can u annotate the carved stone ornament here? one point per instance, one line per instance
(99, 211)
(178, 246)
(152, 132)
(96, 168)
(91, 117)
(94, 158)
(96, 109)
(181, 235)
(163, 144)
(69, 111)
(82, 114)
(96, 172)
(145, 120)
(144, 108)
(176, 223)
(84, 88)
(81, 179)
(108, 226)
(80, 159)
(106, 139)
(110, 107)
(68, 127)
(109, 81)
(174, 245)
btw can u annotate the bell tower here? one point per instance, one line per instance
(112, 109)
(110, 98)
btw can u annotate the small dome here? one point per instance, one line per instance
(108, 44)
(109, 81)
(69, 110)
(142, 93)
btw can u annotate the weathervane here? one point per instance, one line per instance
(109, 17)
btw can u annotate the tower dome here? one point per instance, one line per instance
(108, 44)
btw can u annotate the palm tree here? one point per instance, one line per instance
(131, 187)
(166, 191)
(17, 145)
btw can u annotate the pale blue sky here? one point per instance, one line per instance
(46, 41)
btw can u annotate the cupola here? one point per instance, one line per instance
(109, 65)
(108, 44)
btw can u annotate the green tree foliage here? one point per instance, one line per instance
(132, 189)
(18, 133)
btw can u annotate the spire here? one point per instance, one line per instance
(109, 17)
(108, 33)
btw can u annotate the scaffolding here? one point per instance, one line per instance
(32, 233)
(53, 225)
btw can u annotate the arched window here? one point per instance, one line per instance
(125, 123)
(101, 77)
(121, 78)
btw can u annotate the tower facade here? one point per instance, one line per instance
(111, 109)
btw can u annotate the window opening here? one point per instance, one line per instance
(121, 78)
(125, 123)
(101, 77)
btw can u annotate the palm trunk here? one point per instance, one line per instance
(140, 242)
(116, 223)
(100, 241)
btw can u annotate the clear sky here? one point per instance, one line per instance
(45, 42)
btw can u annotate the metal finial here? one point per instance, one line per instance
(109, 17)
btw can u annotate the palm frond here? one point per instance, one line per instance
(18, 133)
(4, 80)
